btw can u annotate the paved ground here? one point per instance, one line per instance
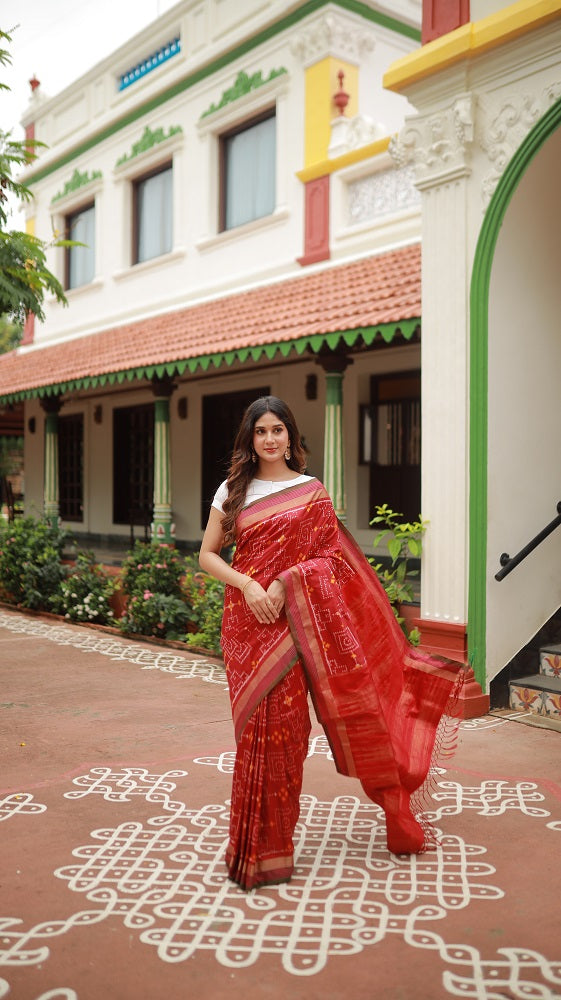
(115, 764)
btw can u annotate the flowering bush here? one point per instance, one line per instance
(205, 595)
(152, 567)
(31, 569)
(85, 594)
(151, 581)
(162, 615)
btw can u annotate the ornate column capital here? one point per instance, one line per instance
(331, 34)
(333, 362)
(51, 404)
(162, 387)
(505, 125)
(438, 143)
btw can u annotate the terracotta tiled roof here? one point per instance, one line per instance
(367, 296)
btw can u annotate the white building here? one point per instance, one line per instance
(485, 144)
(244, 236)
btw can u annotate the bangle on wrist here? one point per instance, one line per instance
(246, 585)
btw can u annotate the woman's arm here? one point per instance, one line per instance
(263, 606)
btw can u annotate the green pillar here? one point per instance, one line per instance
(51, 405)
(334, 365)
(162, 528)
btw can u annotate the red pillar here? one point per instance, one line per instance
(316, 221)
(29, 329)
(442, 16)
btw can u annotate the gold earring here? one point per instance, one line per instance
(253, 456)
(287, 454)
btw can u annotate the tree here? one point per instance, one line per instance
(24, 276)
(10, 334)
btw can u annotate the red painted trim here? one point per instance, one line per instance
(28, 329)
(450, 640)
(445, 638)
(316, 221)
(30, 134)
(442, 16)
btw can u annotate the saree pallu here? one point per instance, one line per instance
(383, 704)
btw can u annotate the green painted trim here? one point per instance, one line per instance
(77, 181)
(149, 139)
(315, 342)
(242, 85)
(224, 60)
(479, 338)
(384, 20)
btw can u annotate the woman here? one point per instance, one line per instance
(303, 610)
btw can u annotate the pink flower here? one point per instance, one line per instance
(147, 594)
(139, 566)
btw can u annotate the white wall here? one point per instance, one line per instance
(524, 471)
(483, 8)
(203, 261)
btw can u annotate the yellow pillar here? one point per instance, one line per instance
(321, 84)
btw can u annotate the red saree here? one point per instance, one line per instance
(380, 701)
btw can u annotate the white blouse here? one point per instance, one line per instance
(256, 489)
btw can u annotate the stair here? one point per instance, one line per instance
(540, 693)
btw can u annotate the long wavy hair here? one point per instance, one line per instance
(242, 466)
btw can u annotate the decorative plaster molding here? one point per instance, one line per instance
(505, 127)
(384, 193)
(77, 181)
(147, 141)
(243, 85)
(351, 133)
(437, 144)
(246, 105)
(155, 59)
(331, 35)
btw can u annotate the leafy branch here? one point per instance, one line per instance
(24, 276)
(404, 542)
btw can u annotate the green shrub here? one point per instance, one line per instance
(205, 595)
(405, 541)
(154, 567)
(85, 593)
(162, 615)
(31, 569)
(151, 581)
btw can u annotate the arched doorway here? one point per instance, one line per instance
(515, 406)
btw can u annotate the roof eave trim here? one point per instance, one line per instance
(203, 362)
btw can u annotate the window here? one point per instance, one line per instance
(80, 261)
(391, 442)
(153, 214)
(71, 467)
(221, 418)
(248, 172)
(133, 464)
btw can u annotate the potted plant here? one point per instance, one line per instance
(404, 540)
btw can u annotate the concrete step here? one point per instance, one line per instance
(550, 660)
(538, 693)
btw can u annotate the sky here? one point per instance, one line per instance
(59, 40)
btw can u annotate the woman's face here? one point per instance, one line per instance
(270, 439)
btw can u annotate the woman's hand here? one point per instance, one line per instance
(264, 606)
(276, 592)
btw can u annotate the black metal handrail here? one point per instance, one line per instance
(509, 564)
